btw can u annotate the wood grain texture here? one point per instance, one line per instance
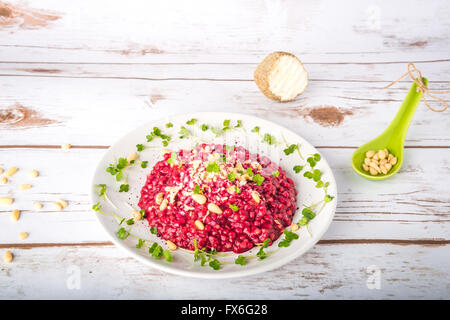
(326, 271)
(72, 107)
(87, 74)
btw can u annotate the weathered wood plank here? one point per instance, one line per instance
(99, 111)
(410, 206)
(327, 271)
(159, 31)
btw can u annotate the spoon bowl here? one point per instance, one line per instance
(393, 138)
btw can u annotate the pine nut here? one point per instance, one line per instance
(375, 157)
(199, 198)
(199, 225)
(33, 173)
(365, 167)
(373, 171)
(390, 156)
(383, 169)
(10, 171)
(383, 161)
(37, 205)
(294, 227)
(62, 202)
(367, 161)
(66, 146)
(6, 201)
(7, 257)
(388, 166)
(393, 161)
(4, 180)
(374, 165)
(1, 170)
(15, 215)
(136, 215)
(57, 206)
(132, 156)
(163, 205)
(172, 246)
(381, 154)
(214, 208)
(24, 187)
(255, 196)
(370, 154)
(23, 235)
(159, 198)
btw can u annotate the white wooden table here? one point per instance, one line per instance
(87, 72)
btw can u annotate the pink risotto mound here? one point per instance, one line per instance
(224, 197)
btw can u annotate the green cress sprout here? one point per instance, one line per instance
(204, 257)
(191, 122)
(290, 149)
(240, 260)
(261, 253)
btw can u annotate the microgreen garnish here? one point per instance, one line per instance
(97, 207)
(172, 159)
(308, 213)
(231, 176)
(116, 169)
(122, 234)
(124, 188)
(130, 221)
(237, 189)
(226, 123)
(102, 189)
(204, 127)
(167, 255)
(158, 133)
(169, 125)
(240, 260)
(142, 212)
(255, 129)
(290, 149)
(140, 243)
(197, 189)
(184, 133)
(156, 250)
(298, 168)
(191, 122)
(258, 179)
(212, 167)
(276, 174)
(215, 264)
(270, 139)
(140, 147)
(233, 207)
(239, 124)
(288, 237)
(144, 164)
(328, 198)
(153, 230)
(261, 253)
(249, 172)
(204, 257)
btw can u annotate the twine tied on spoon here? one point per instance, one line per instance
(416, 76)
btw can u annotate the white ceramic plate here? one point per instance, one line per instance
(183, 263)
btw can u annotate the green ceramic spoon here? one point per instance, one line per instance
(393, 138)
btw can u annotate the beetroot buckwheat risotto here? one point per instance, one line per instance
(224, 197)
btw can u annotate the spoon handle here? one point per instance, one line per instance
(399, 126)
